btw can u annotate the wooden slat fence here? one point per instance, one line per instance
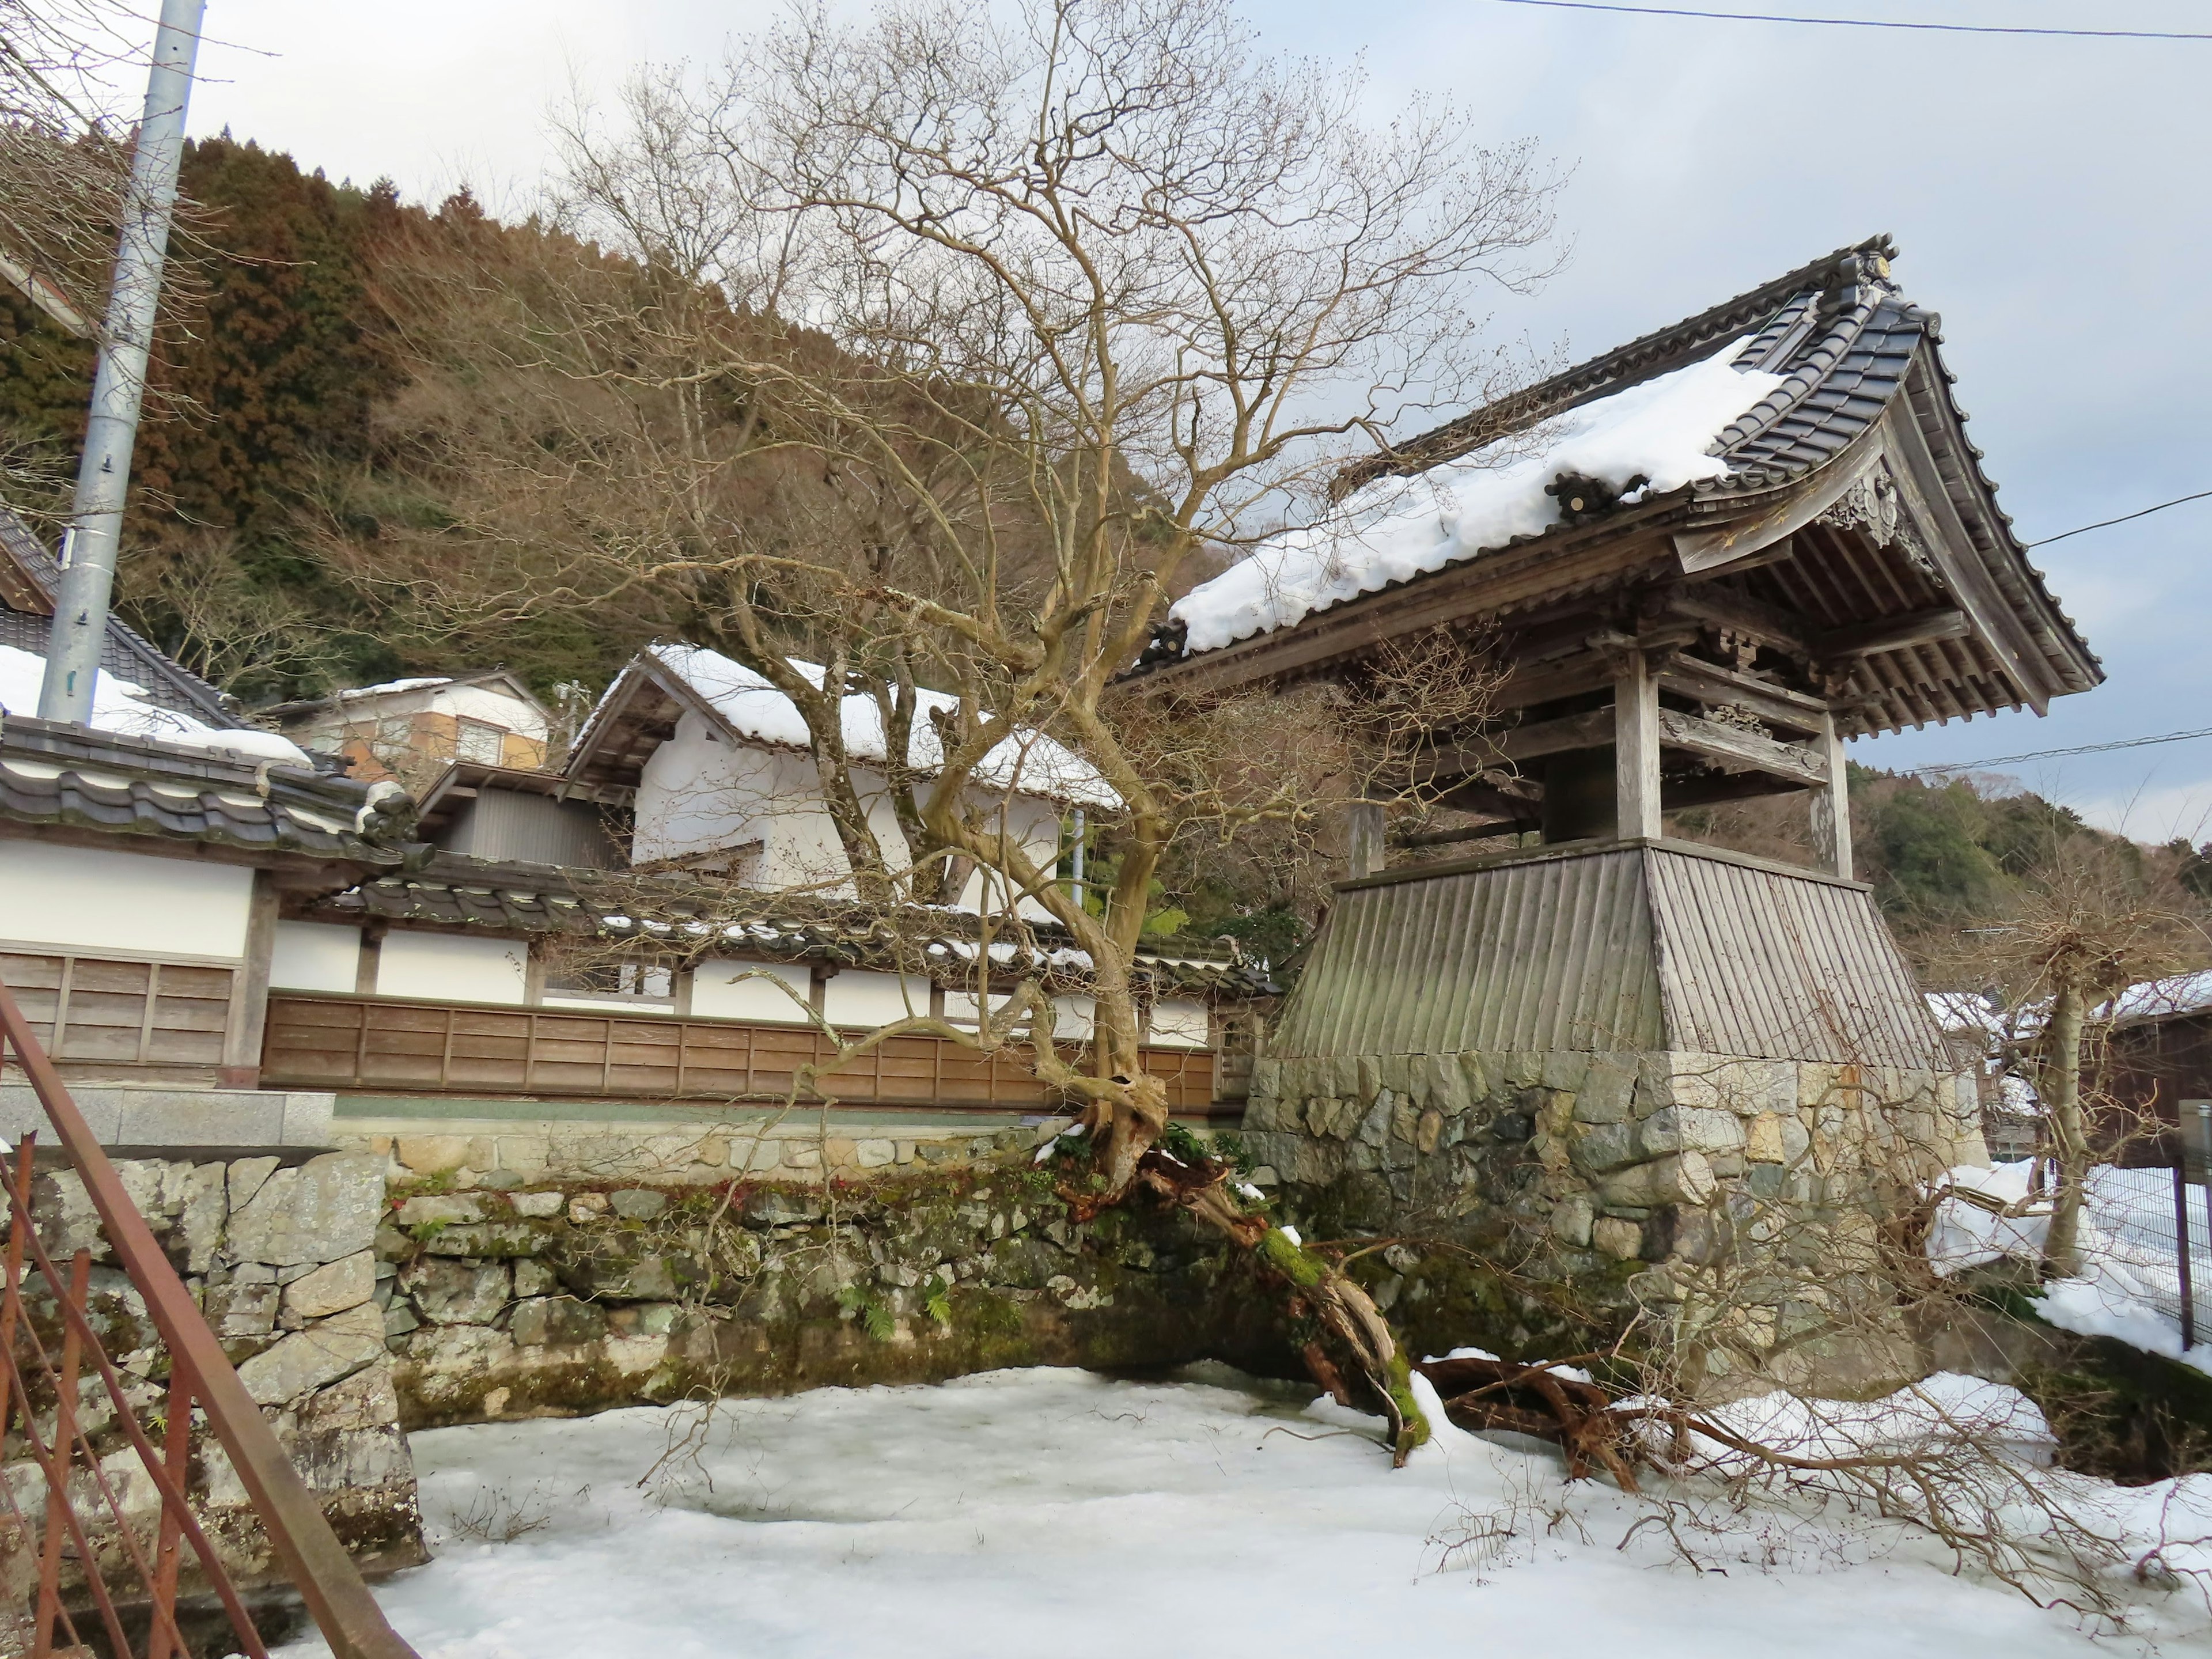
(83, 1008)
(327, 1041)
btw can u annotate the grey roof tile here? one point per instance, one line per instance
(689, 917)
(125, 654)
(53, 774)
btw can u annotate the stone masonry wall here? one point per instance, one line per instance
(280, 1257)
(653, 1267)
(1732, 1203)
(493, 1154)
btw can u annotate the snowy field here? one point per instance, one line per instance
(1055, 1512)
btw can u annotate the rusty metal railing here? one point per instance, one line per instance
(43, 1410)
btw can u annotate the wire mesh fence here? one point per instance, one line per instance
(2156, 1229)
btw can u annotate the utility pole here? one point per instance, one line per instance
(103, 476)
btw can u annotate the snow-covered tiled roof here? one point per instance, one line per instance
(1961, 1012)
(2156, 999)
(1664, 432)
(121, 707)
(1027, 762)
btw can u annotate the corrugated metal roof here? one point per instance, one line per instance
(1757, 962)
(1536, 955)
(1635, 946)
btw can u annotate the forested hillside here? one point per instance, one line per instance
(280, 447)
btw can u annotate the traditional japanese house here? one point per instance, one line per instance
(664, 926)
(2156, 1041)
(143, 862)
(407, 729)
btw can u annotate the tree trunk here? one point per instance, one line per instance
(1346, 1343)
(2062, 1105)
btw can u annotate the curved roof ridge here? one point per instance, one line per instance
(1640, 358)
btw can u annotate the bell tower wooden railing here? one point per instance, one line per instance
(82, 1514)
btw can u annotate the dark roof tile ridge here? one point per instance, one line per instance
(1816, 359)
(1563, 391)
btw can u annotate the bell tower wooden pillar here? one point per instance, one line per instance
(1832, 804)
(1635, 748)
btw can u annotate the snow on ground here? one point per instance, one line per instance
(1660, 429)
(2131, 1287)
(1021, 1513)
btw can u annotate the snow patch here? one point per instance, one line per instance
(2131, 1286)
(117, 708)
(1025, 762)
(1018, 1513)
(1395, 529)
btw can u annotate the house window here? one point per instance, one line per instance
(480, 740)
(646, 982)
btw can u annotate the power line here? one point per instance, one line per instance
(2052, 754)
(1859, 22)
(2104, 523)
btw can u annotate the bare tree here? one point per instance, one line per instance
(942, 348)
(63, 163)
(2084, 920)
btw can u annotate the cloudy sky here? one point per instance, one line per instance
(2047, 196)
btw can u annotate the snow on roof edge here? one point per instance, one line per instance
(1665, 429)
(1026, 762)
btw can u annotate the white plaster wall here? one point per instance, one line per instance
(700, 791)
(717, 993)
(1036, 827)
(1073, 1018)
(960, 1006)
(1178, 1023)
(315, 955)
(91, 899)
(684, 796)
(853, 998)
(452, 966)
(484, 703)
(610, 1005)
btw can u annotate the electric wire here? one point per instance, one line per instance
(1861, 22)
(2052, 754)
(2102, 524)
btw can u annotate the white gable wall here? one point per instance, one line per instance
(315, 955)
(452, 967)
(745, 990)
(488, 703)
(702, 791)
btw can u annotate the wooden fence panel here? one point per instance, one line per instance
(162, 1016)
(333, 1041)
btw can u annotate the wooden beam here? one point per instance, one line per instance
(1593, 730)
(1453, 837)
(1719, 786)
(1894, 633)
(1597, 555)
(1778, 705)
(1364, 850)
(1636, 728)
(1739, 750)
(249, 988)
(1786, 630)
(1472, 794)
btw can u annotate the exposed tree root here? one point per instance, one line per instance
(1578, 1416)
(1347, 1345)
